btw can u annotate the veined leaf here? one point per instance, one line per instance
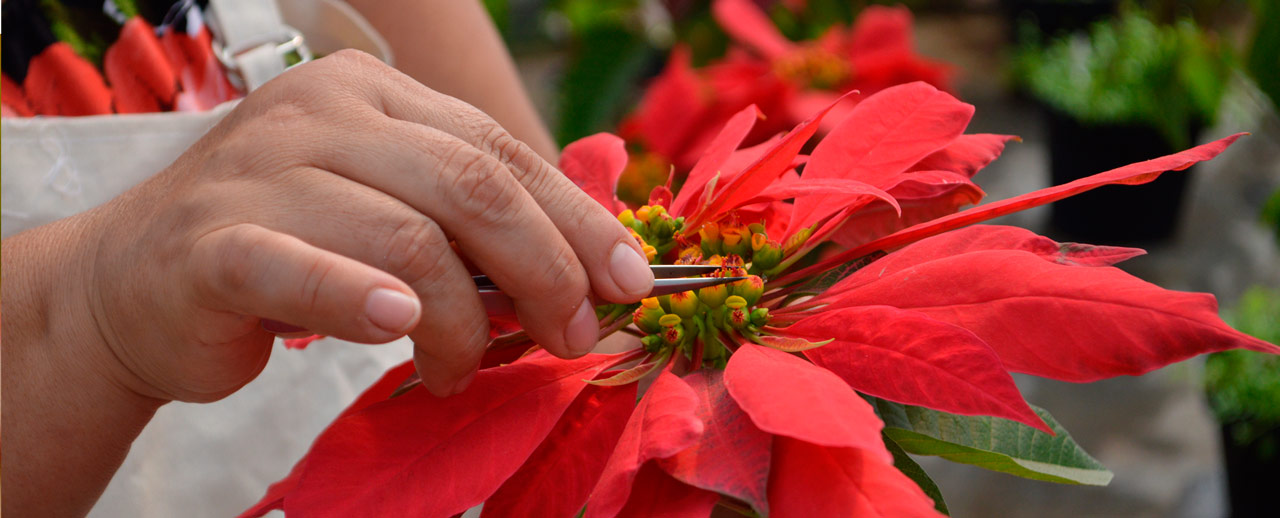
(993, 443)
(913, 471)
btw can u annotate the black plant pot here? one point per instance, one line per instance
(1253, 473)
(1057, 17)
(1112, 214)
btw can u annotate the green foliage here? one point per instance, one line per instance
(602, 80)
(1263, 59)
(1244, 386)
(993, 443)
(912, 470)
(1130, 71)
(1271, 214)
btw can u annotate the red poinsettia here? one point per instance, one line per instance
(771, 395)
(684, 109)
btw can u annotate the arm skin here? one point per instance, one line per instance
(440, 43)
(72, 407)
(88, 419)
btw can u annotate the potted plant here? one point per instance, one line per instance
(1244, 393)
(1128, 90)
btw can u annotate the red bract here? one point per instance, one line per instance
(755, 395)
(789, 81)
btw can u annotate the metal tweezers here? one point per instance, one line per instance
(667, 279)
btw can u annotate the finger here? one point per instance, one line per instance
(250, 270)
(494, 221)
(359, 222)
(598, 240)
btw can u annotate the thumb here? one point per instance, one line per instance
(251, 270)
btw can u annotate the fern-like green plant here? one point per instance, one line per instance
(1130, 70)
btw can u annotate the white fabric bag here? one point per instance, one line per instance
(214, 459)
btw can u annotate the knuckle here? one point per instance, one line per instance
(349, 57)
(482, 189)
(528, 167)
(240, 257)
(416, 252)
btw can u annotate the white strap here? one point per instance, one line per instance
(252, 39)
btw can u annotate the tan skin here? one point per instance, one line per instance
(327, 199)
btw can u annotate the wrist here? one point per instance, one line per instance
(53, 318)
(78, 418)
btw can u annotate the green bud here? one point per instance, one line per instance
(652, 343)
(713, 296)
(684, 303)
(760, 317)
(647, 315)
(750, 289)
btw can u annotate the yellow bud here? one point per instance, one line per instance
(627, 218)
(758, 241)
(684, 303)
(735, 302)
(649, 252)
(709, 231)
(669, 320)
(642, 213)
(651, 303)
(713, 296)
(732, 239)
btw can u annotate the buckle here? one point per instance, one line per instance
(288, 43)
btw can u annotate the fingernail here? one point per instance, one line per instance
(391, 310)
(278, 327)
(630, 271)
(580, 338)
(465, 382)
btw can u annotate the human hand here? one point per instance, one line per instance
(328, 199)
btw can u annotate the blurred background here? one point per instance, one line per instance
(1088, 85)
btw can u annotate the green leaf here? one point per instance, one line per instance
(602, 80)
(908, 467)
(993, 443)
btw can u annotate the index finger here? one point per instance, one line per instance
(614, 262)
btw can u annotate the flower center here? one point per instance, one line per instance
(703, 325)
(644, 170)
(813, 67)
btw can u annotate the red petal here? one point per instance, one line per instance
(657, 494)
(13, 98)
(713, 160)
(141, 77)
(759, 175)
(812, 480)
(558, 477)
(910, 358)
(922, 196)
(379, 391)
(847, 189)
(985, 237)
(1063, 322)
(732, 456)
(425, 456)
(786, 395)
(966, 155)
(663, 424)
(882, 29)
(673, 110)
(747, 24)
(883, 136)
(1132, 174)
(300, 343)
(595, 163)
